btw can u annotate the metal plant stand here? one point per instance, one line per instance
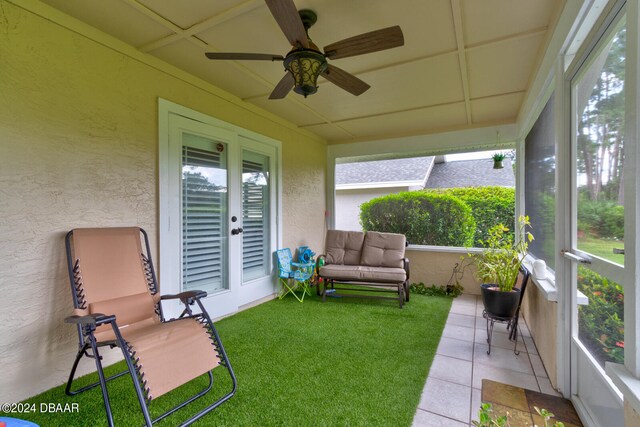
(512, 322)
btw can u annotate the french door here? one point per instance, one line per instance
(597, 254)
(220, 215)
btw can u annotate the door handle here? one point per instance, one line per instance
(236, 231)
(567, 254)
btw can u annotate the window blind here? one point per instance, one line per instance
(255, 217)
(204, 232)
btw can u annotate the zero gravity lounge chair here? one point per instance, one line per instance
(118, 304)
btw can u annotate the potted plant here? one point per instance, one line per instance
(497, 160)
(498, 266)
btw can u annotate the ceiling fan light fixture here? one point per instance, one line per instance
(305, 65)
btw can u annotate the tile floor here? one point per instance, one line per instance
(452, 393)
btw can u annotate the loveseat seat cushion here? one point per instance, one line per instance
(363, 273)
(383, 250)
(344, 247)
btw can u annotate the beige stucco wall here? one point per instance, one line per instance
(631, 416)
(435, 268)
(542, 317)
(79, 147)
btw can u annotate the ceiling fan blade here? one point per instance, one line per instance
(344, 80)
(283, 87)
(243, 56)
(374, 41)
(286, 15)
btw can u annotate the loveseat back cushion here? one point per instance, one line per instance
(344, 247)
(383, 250)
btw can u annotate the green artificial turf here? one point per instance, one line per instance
(343, 362)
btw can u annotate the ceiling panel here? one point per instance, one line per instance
(115, 18)
(503, 67)
(330, 132)
(227, 76)
(503, 42)
(186, 13)
(496, 108)
(425, 83)
(492, 19)
(293, 108)
(408, 122)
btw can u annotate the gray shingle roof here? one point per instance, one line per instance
(411, 169)
(470, 173)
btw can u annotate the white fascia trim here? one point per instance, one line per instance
(444, 249)
(384, 184)
(437, 143)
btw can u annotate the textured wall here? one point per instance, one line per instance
(541, 316)
(631, 417)
(435, 268)
(78, 147)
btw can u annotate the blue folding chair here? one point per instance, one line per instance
(294, 276)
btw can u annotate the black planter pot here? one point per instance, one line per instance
(499, 303)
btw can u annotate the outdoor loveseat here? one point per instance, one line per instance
(371, 262)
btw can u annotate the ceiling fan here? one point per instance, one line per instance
(305, 62)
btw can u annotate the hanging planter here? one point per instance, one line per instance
(498, 159)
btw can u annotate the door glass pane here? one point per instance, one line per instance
(204, 214)
(600, 151)
(601, 321)
(599, 95)
(256, 237)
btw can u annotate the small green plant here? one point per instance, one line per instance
(486, 418)
(498, 157)
(433, 290)
(500, 261)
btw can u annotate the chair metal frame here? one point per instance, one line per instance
(86, 326)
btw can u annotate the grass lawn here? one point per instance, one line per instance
(602, 248)
(344, 362)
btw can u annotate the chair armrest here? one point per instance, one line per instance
(95, 319)
(187, 297)
(405, 263)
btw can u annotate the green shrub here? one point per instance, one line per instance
(601, 322)
(489, 206)
(424, 218)
(601, 218)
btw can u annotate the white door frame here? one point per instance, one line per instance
(166, 269)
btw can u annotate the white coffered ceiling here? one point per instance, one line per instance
(465, 63)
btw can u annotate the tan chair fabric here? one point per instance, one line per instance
(113, 281)
(128, 310)
(171, 353)
(344, 247)
(383, 250)
(363, 273)
(110, 262)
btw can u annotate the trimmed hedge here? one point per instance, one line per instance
(424, 218)
(489, 205)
